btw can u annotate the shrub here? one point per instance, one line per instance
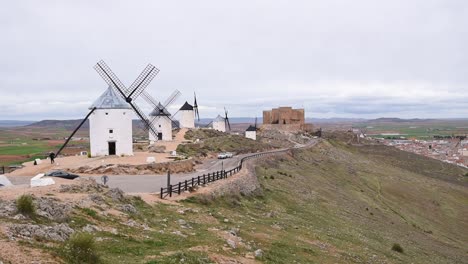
(25, 205)
(396, 247)
(89, 154)
(90, 212)
(81, 248)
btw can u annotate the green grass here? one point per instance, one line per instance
(333, 203)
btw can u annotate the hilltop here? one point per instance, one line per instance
(331, 203)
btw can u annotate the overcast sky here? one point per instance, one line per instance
(359, 58)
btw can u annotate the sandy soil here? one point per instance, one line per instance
(65, 163)
(12, 192)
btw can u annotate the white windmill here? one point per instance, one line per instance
(251, 131)
(161, 119)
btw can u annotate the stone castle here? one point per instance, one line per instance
(285, 118)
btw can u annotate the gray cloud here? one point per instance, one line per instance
(335, 58)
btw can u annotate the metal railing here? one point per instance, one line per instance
(187, 185)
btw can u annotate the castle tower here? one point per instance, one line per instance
(187, 118)
(110, 126)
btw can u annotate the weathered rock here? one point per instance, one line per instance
(116, 195)
(157, 149)
(234, 231)
(7, 208)
(52, 209)
(258, 253)
(83, 185)
(231, 243)
(96, 198)
(91, 228)
(128, 208)
(181, 222)
(60, 232)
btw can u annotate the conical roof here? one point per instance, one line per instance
(110, 100)
(186, 107)
(251, 128)
(218, 119)
(160, 111)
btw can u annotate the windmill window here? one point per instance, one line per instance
(111, 131)
(159, 125)
(124, 113)
(107, 113)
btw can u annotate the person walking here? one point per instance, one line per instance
(52, 157)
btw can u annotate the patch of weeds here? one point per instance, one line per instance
(184, 257)
(90, 212)
(25, 205)
(81, 248)
(397, 247)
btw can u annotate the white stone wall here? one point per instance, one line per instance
(187, 119)
(251, 134)
(220, 126)
(119, 121)
(163, 125)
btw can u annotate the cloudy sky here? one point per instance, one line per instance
(360, 58)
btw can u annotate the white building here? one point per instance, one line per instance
(187, 114)
(251, 133)
(110, 126)
(219, 124)
(161, 121)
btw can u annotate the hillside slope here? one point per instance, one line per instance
(332, 203)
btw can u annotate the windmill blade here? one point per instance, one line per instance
(209, 124)
(110, 78)
(143, 80)
(229, 124)
(74, 131)
(171, 99)
(195, 106)
(148, 126)
(149, 99)
(255, 122)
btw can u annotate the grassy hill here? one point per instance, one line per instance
(333, 203)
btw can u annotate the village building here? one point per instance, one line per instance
(162, 122)
(187, 119)
(110, 126)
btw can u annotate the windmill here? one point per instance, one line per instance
(161, 118)
(128, 94)
(251, 131)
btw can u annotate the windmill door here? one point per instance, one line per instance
(159, 136)
(111, 148)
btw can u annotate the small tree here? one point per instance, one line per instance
(396, 247)
(81, 248)
(25, 205)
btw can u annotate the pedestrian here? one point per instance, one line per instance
(52, 157)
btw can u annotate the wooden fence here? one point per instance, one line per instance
(186, 185)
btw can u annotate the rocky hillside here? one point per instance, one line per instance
(332, 203)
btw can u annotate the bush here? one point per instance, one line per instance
(89, 154)
(81, 248)
(396, 247)
(25, 205)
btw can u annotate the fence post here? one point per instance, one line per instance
(192, 181)
(162, 190)
(179, 188)
(170, 190)
(198, 180)
(204, 178)
(185, 185)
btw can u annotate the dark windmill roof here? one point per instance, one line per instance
(110, 100)
(218, 119)
(251, 128)
(160, 111)
(186, 106)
